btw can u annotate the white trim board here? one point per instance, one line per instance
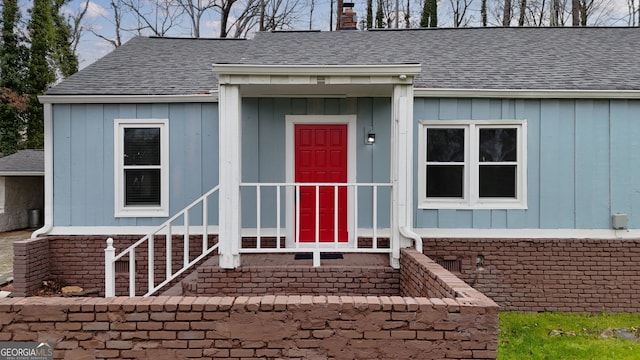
(527, 93)
(212, 96)
(21, 173)
(427, 233)
(527, 233)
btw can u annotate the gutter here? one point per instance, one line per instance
(48, 173)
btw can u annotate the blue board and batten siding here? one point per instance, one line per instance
(583, 159)
(84, 159)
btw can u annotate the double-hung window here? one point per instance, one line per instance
(141, 167)
(472, 165)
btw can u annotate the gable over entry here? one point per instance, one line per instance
(305, 81)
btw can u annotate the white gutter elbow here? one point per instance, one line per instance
(44, 230)
(410, 234)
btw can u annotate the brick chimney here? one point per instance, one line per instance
(347, 19)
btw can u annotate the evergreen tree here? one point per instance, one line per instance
(64, 56)
(429, 16)
(369, 14)
(40, 74)
(51, 57)
(11, 80)
(380, 15)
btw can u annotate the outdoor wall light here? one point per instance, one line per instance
(371, 138)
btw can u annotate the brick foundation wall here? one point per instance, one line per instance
(291, 280)
(572, 275)
(30, 265)
(79, 260)
(264, 327)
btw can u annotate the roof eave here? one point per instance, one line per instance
(21, 173)
(527, 93)
(211, 96)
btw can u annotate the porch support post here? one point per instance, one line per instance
(401, 167)
(229, 211)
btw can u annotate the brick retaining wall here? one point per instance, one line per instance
(31, 265)
(297, 327)
(571, 275)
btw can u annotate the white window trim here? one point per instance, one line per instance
(471, 198)
(140, 211)
(2, 194)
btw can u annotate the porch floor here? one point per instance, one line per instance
(349, 259)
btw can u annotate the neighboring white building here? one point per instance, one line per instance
(21, 190)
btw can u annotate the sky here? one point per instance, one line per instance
(99, 19)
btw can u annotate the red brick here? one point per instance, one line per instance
(241, 352)
(119, 344)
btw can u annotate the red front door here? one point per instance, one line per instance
(321, 157)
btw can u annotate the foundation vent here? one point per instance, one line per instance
(452, 265)
(122, 266)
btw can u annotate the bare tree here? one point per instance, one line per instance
(281, 14)
(116, 21)
(460, 8)
(483, 12)
(523, 12)
(77, 26)
(554, 19)
(575, 12)
(506, 18)
(631, 11)
(224, 7)
(277, 14)
(312, 6)
(407, 15)
(195, 10)
(158, 16)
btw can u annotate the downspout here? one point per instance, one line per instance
(410, 234)
(48, 173)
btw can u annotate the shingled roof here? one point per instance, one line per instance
(23, 163)
(467, 58)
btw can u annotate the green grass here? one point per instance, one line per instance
(527, 336)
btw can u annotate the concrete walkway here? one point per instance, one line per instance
(6, 252)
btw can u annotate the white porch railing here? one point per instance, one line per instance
(357, 193)
(166, 230)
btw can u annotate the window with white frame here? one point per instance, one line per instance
(472, 164)
(141, 167)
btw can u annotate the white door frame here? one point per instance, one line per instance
(291, 121)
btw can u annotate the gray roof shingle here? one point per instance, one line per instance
(23, 162)
(466, 58)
